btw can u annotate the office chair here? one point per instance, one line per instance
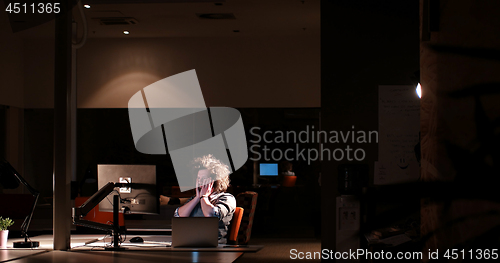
(248, 201)
(235, 226)
(289, 181)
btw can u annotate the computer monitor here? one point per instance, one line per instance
(268, 169)
(142, 198)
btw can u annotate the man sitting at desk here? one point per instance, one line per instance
(211, 200)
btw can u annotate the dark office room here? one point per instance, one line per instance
(247, 131)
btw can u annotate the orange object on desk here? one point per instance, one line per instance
(97, 216)
(289, 181)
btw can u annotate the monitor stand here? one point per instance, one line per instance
(116, 227)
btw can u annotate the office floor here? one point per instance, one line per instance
(277, 250)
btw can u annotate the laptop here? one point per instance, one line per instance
(195, 231)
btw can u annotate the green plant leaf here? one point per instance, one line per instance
(5, 223)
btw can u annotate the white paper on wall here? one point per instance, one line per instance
(399, 127)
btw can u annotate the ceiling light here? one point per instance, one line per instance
(126, 32)
(86, 6)
(419, 91)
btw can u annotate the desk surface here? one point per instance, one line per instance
(158, 242)
(123, 256)
(90, 248)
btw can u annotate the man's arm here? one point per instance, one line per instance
(206, 190)
(207, 207)
(226, 204)
(185, 210)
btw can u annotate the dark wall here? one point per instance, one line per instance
(363, 44)
(104, 137)
(39, 149)
(3, 122)
(460, 113)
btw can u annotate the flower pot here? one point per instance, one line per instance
(4, 234)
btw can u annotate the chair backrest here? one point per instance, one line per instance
(247, 200)
(235, 225)
(97, 216)
(289, 181)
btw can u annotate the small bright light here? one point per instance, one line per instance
(86, 6)
(419, 91)
(126, 32)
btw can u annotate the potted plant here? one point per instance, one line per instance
(4, 233)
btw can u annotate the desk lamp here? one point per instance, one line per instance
(10, 179)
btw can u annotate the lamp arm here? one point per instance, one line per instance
(87, 206)
(33, 191)
(27, 220)
(92, 224)
(94, 200)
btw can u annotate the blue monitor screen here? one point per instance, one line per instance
(269, 169)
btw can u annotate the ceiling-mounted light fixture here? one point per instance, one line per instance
(86, 6)
(126, 32)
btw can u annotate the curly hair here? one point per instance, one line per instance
(217, 170)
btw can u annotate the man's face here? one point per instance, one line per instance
(202, 175)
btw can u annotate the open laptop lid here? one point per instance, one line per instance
(195, 231)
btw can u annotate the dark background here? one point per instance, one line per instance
(363, 44)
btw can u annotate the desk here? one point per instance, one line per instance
(124, 256)
(95, 253)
